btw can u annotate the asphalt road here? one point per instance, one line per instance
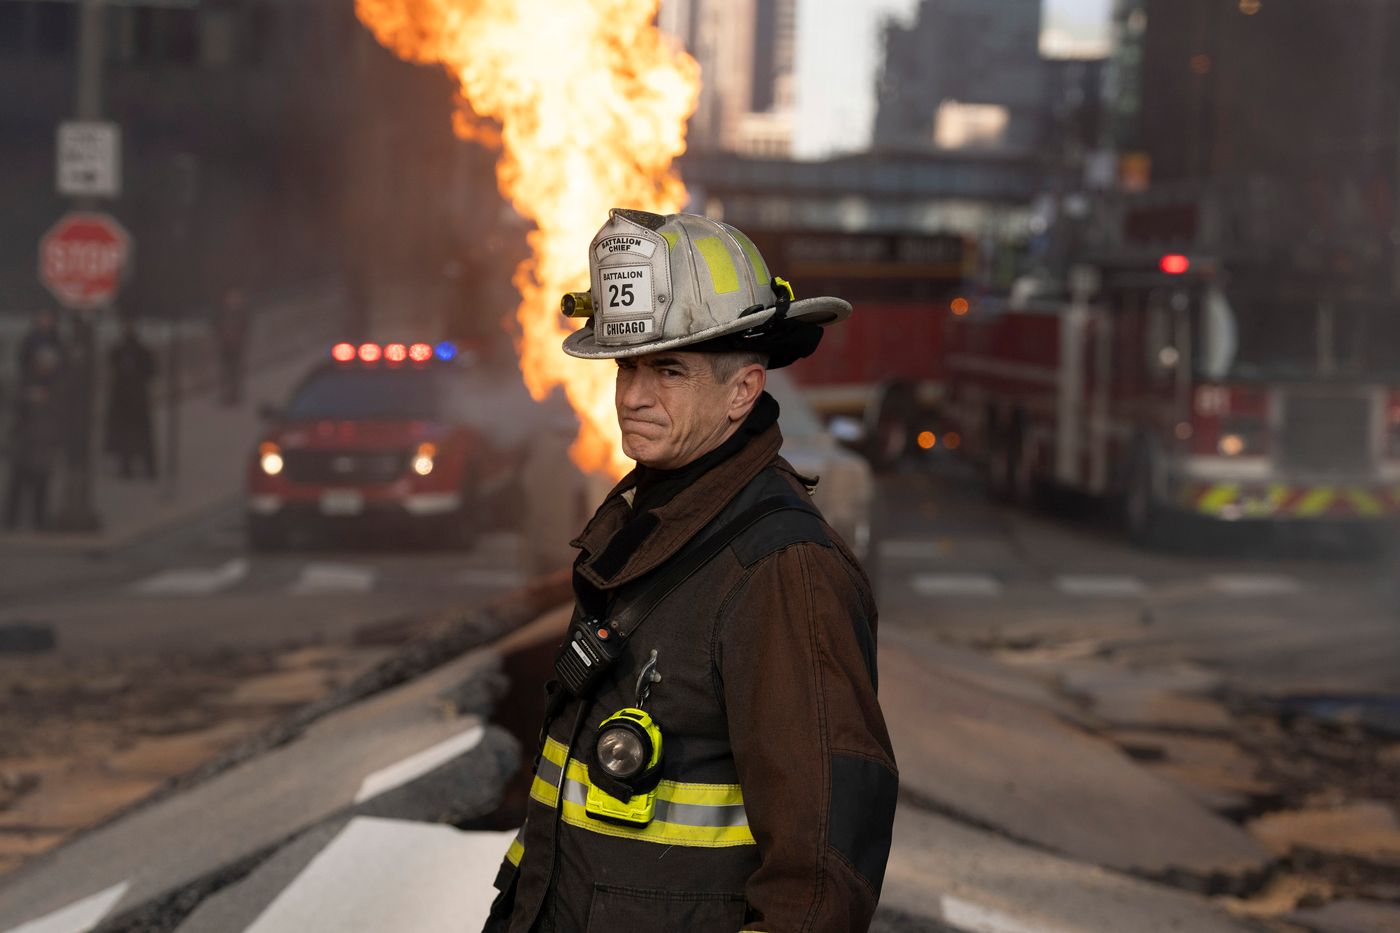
(1271, 615)
(197, 587)
(1027, 656)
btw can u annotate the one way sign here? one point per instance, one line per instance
(89, 159)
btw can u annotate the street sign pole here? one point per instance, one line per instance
(77, 512)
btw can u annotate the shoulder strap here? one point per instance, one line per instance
(633, 613)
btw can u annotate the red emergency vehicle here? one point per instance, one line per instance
(1185, 385)
(404, 438)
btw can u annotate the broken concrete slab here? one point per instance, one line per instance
(388, 755)
(1171, 696)
(1366, 829)
(947, 873)
(27, 637)
(1349, 916)
(1213, 771)
(1006, 764)
(978, 669)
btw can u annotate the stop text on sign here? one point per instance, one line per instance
(82, 258)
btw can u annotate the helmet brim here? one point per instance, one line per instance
(823, 312)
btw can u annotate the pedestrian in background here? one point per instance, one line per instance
(230, 325)
(36, 436)
(42, 335)
(130, 439)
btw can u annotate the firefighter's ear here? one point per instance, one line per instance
(745, 389)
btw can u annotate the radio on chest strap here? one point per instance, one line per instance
(592, 646)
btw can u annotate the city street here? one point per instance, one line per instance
(1034, 665)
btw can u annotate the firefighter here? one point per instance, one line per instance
(713, 757)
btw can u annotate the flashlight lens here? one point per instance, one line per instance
(621, 753)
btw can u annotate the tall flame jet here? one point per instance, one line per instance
(587, 101)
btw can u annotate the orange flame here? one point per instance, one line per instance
(587, 101)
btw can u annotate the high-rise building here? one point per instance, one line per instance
(965, 74)
(746, 53)
(1206, 89)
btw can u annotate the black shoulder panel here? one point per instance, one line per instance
(777, 531)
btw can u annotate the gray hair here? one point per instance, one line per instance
(725, 365)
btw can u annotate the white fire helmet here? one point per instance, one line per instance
(683, 280)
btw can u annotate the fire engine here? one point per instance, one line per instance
(885, 366)
(1233, 385)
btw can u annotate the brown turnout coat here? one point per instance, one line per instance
(778, 779)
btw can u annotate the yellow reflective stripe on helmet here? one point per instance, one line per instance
(1364, 502)
(1315, 502)
(760, 268)
(723, 275)
(671, 237)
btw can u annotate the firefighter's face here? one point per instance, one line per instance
(672, 409)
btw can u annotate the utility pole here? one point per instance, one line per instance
(77, 512)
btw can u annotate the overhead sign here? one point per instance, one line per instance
(89, 159)
(82, 257)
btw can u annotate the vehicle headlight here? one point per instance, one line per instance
(1241, 436)
(1231, 445)
(270, 458)
(423, 459)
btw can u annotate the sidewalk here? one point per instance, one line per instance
(213, 444)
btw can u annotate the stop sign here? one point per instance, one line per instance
(81, 259)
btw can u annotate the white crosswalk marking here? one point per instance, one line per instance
(1255, 584)
(193, 581)
(1099, 584)
(488, 576)
(955, 584)
(318, 578)
(78, 917)
(912, 548)
(976, 918)
(415, 766)
(380, 874)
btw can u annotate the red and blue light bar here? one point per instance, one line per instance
(345, 352)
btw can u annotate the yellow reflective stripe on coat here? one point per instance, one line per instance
(687, 814)
(517, 848)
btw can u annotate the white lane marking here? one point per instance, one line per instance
(78, 917)
(486, 576)
(1099, 584)
(382, 874)
(975, 918)
(1255, 584)
(955, 584)
(192, 582)
(318, 578)
(415, 766)
(912, 548)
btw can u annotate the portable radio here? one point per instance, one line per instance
(589, 651)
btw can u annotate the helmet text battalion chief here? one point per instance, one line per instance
(686, 281)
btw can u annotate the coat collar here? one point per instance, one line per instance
(609, 560)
